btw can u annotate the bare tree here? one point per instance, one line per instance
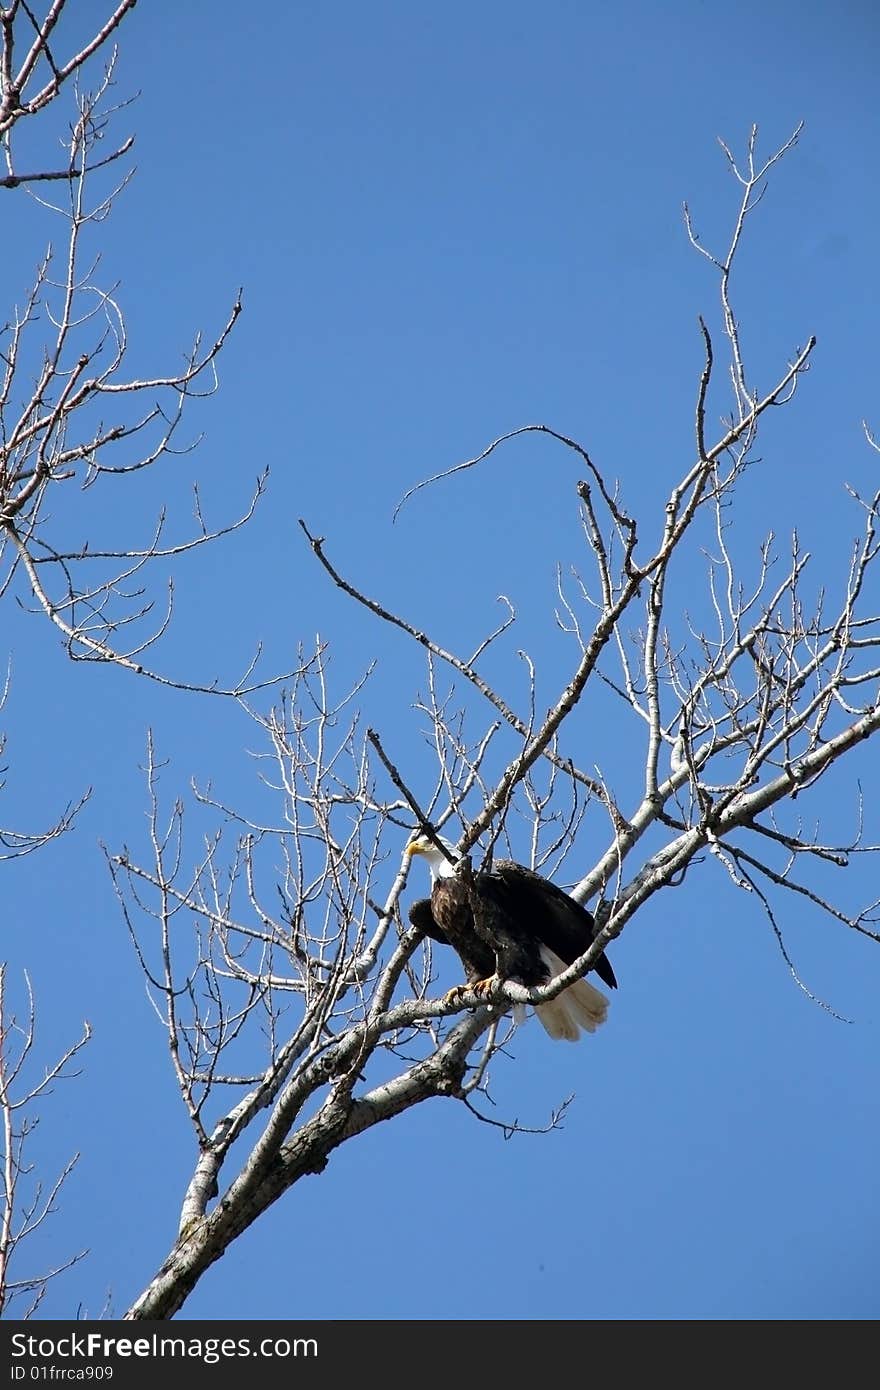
(300, 1010)
(70, 415)
(298, 1007)
(27, 1205)
(36, 65)
(72, 420)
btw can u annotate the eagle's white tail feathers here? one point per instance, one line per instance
(581, 1006)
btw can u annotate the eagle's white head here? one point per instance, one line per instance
(437, 861)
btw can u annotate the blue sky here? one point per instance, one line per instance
(450, 221)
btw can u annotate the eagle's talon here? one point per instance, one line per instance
(486, 988)
(454, 996)
(482, 988)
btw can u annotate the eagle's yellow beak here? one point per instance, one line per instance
(414, 847)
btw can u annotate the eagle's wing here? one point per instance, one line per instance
(565, 926)
(421, 916)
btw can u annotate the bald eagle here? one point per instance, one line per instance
(509, 923)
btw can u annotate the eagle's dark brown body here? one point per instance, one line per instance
(448, 917)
